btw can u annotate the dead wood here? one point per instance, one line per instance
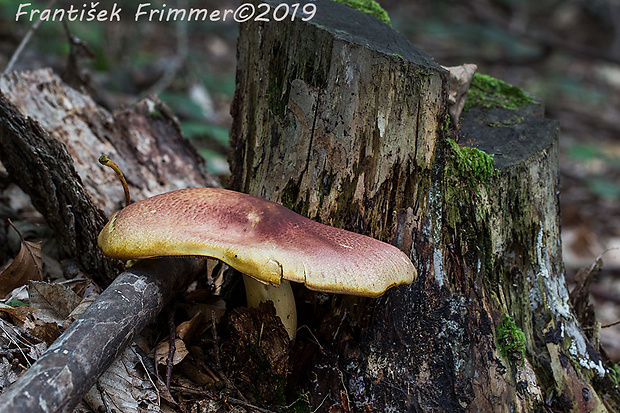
(344, 121)
(580, 294)
(52, 136)
(59, 379)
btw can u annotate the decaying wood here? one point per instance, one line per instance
(323, 113)
(580, 294)
(342, 119)
(59, 379)
(51, 137)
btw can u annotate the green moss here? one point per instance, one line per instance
(275, 103)
(403, 62)
(155, 113)
(511, 340)
(614, 374)
(466, 169)
(369, 7)
(472, 161)
(490, 93)
(447, 125)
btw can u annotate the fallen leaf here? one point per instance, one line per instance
(162, 350)
(28, 265)
(17, 314)
(192, 371)
(460, 79)
(125, 386)
(186, 329)
(53, 301)
(82, 306)
(27, 318)
(208, 307)
(44, 331)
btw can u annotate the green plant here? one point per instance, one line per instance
(510, 340)
(369, 7)
(472, 161)
(614, 374)
(488, 92)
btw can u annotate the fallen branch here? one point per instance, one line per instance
(59, 379)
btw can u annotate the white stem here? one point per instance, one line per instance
(282, 298)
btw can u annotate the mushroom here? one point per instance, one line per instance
(267, 242)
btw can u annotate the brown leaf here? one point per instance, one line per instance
(163, 349)
(44, 331)
(53, 301)
(208, 307)
(27, 318)
(27, 266)
(18, 314)
(186, 329)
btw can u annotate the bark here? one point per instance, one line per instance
(343, 120)
(51, 137)
(59, 379)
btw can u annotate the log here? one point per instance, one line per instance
(59, 379)
(343, 120)
(52, 136)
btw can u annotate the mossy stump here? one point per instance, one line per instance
(343, 120)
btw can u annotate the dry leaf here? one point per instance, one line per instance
(192, 371)
(125, 386)
(460, 79)
(82, 306)
(208, 307)
(163, 348)
(186, 329)
(27, 266)
(53, 301)
(18, 314)
(44, 331)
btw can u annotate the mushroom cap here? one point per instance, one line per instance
(257, 237)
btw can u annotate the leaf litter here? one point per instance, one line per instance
(27, 266)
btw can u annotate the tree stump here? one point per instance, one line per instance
(343, 120)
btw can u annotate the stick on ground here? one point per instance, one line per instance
(58, 380)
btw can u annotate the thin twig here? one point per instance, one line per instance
(146, 372)
(225, 399)
(172, 349)
(8, 335)
(177, 62)
(316, 340)
(24, 42)
(218, 360)
(610, 324)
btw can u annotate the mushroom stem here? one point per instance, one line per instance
(281, 296)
